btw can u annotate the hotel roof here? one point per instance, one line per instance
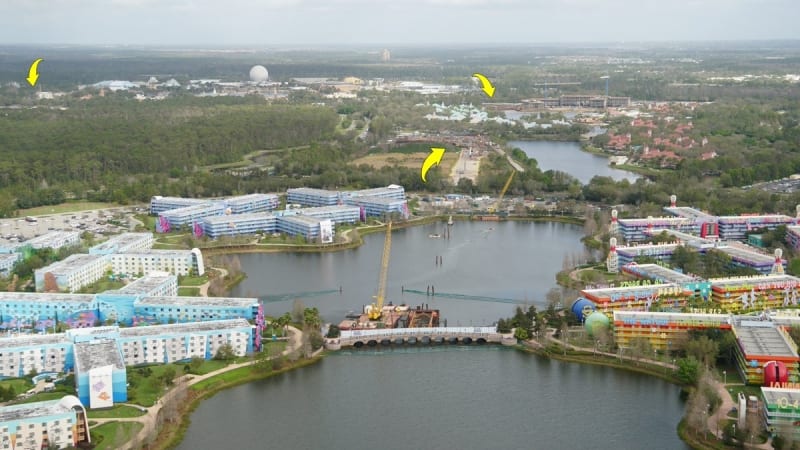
(772, 396)
(71, 263)
(239, 218)
(244, 199)
(326, 209)
(654, 221)
(180, 200)
(754, 280)
(637, 249)
(147, 284)
(211, 302)
(121, 241)
(193, 327)
(679, 235)
(376, 200)
(154, 252)
(37, 410)
(188, 210)
(621, 291)
(33, 340)
(745, 254)
(763, 341)
(377, 191)
(53, 238)
(98, 353)
(313, 191)
(766, 218)
(659, 273)
(670, 317)
(690, 213)
(40, 297)
(308, 220)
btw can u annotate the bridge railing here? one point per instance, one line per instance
(427, 331)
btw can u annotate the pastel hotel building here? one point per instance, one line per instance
(233, 225)
(176, 262)
(124, 243)
(55, 240)
(74, 272)
(57, 424)
(159, 204)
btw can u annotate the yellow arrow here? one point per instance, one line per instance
(32, 74)
(433, 159)
(486, 85)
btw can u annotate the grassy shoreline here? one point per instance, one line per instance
(171, 437)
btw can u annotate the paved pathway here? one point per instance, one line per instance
(203, 290)
(149, 420)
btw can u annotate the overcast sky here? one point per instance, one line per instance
(266, 23)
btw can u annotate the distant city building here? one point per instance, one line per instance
(386, 55)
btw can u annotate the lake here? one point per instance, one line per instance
(568, 157)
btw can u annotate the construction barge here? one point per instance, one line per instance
(391, 316)
(379, 316)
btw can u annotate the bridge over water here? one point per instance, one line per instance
(411, 336)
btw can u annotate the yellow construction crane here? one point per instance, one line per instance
(493, 209)
(375, 310)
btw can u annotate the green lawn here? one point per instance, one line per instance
(43, 396)
(102, 285)
(65, 208)
(208, 366)
(118, 411)
(114, 435)
(188, 291)
(145, 390)
(20, 385)
(193, 281)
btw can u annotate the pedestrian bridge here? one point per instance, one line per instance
(412, 336)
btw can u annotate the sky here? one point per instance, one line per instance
(271, 23)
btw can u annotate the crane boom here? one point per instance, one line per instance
(376, 308)
(503, 192)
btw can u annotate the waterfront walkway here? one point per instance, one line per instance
(150, 419)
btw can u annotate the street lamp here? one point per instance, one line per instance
(725, 377)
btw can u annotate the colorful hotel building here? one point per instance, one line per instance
(664, 330)
(661, 274)
(763, 343)
(754, 293)
(40, 425)
(638, 298)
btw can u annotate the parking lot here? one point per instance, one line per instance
(98, 222)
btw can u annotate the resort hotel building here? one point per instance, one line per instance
(197, 209)
(280, 221)
(49, 424)
(124, 243)
(178, 262)
(55, 240)
(72, 273)
(150, 300)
